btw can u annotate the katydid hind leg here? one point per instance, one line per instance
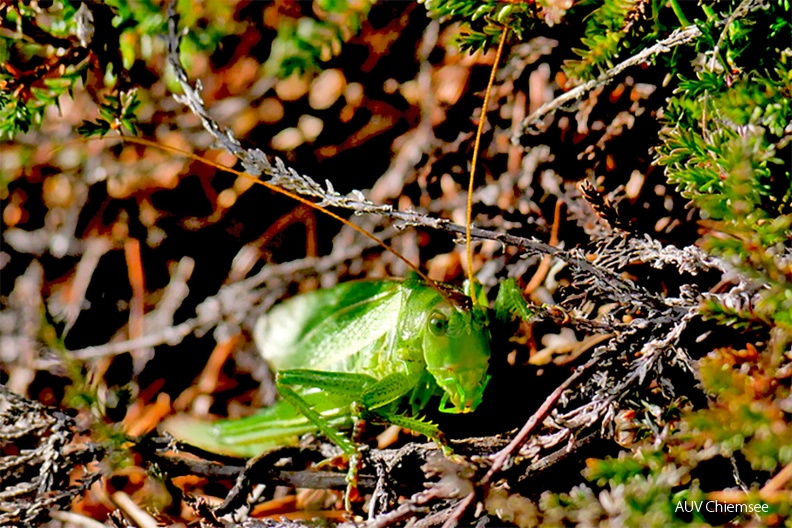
(340, 383)
(321, 423)
(363, 390)
(270, 428)
(348, 447)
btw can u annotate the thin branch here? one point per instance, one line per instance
(743, 9)
(503, 455)
(254, 160)
(677, 38)
(459, 510)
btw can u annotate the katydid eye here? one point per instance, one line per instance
(438, 323)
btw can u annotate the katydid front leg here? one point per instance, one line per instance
(389, 389)
(367, 397)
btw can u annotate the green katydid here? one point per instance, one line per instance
(360, 347)
(359, 350)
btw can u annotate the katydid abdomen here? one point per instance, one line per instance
(360, 345)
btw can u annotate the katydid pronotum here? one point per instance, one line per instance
(358, 351)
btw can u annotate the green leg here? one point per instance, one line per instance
(291, 396)
(387, 390)
(428, 429)
(342, 383)
(351, 385)
(367, 397)
(365, 392)
(390, 389)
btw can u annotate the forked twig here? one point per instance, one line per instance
(500, 458)
(503, 455)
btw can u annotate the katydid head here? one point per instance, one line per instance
(456, 346)
(457, 351)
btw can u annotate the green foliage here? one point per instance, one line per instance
(721, 147)
(634, 490)
(117, 112)
(142, 23)
(510, 303)
(736, 317)
(605, 36)
(55, 48)
(749, 413)
(28, 87)
(726, 147)
(646, 498)
(303, 44)
(485, 20)
(623, 468)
